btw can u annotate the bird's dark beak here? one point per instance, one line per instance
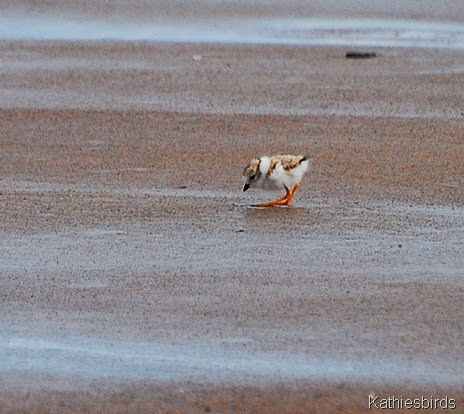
(246, 186)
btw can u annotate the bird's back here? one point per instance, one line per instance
(287, 161)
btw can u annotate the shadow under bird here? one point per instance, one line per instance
(277, 172)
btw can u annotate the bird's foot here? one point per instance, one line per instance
(283, 201)
(274, 203)
(286, 200)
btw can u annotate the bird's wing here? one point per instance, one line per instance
(288, 162)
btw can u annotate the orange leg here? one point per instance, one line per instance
(292, 193)
(282, 201)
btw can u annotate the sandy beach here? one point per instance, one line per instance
(136, 278)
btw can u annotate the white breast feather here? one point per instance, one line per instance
(281, 178)
(264, 165)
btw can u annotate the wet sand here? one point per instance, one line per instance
(122, 222)
(447, 10)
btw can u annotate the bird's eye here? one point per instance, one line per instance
(253, 177)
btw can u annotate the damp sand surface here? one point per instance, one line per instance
(135, 276)
(152, 299)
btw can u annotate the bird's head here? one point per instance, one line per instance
(251, 174)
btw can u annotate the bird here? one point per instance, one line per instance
(276, 172)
